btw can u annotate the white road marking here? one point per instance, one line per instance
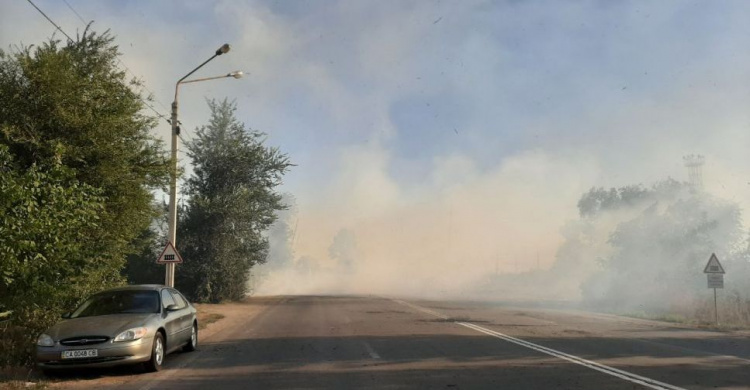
(628, 376)
(691, 350)
(371, 351)
(734, 358)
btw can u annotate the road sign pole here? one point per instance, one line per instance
(172, 231)
(715, 274)
(716, 308)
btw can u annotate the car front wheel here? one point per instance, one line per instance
(157, 354)
(193, 343)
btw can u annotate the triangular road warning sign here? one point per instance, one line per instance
(713, 266)
(169, 255)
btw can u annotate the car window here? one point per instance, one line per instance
(166, 299)
(181, 302)
(187, 301)
(118, 302)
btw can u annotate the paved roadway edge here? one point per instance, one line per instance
(625, 375)
(211, 330)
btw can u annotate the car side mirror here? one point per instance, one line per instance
(65, 315)
(172, 307)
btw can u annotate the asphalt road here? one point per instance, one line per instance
(311, 342)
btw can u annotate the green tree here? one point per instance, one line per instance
(79, 165)
(141, 267)
(281, 235)
(599, 200)
(71, 105)
(48, 254)
(232, 201)
(343, 250)
(657, 250)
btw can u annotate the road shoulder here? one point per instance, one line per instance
(233, 314)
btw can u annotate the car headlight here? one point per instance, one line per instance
(45, 340)
(131, 334)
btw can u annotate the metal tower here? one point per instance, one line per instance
(694, 164)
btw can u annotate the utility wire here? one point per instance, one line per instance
(74, 11)
(187, 135)
(151, 93)
(159, 114)
(50, 20)
(185, 132)
(120, 62)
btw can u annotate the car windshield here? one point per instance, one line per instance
(119, 302)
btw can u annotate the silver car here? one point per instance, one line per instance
(127, 325)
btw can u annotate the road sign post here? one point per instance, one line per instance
(716, 309)
(715, 274)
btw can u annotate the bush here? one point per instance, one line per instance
(78, 163)
(48, 257)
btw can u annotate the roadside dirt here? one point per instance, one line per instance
(207, 314)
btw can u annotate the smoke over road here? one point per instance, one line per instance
(454, 155)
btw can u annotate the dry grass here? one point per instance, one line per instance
(733, 308)
(208, 318)
(734, 312)
(18, 385)
(13, 378)
(208, 314)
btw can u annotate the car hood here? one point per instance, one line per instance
(109, 325)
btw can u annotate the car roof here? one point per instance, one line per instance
(139, 287)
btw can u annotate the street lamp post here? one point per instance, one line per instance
(170, 267)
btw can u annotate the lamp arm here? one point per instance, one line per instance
(196, 68)
(206, 79)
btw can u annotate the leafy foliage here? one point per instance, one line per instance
(658, 250)
(281, 235)
(73, 106)
(78, 167)
(599, 200)
(232, 202)
(343, 250)
(141, 267)
(48, 253)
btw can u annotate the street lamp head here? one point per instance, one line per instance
(236, 74)
(223, 49)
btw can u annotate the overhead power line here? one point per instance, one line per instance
(120, 62)
(74, 11)
(124, 65)
(50, 20)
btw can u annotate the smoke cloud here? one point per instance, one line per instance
(441, 145)
(441, 236)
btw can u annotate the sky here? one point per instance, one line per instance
(449, 136)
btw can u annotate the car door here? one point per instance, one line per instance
(185, 315)
(171, 320)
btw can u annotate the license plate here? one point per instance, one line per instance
(80, 353)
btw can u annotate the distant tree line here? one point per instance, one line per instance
(644, 249)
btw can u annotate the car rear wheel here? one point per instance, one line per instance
(157, 354)
(193, 343)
